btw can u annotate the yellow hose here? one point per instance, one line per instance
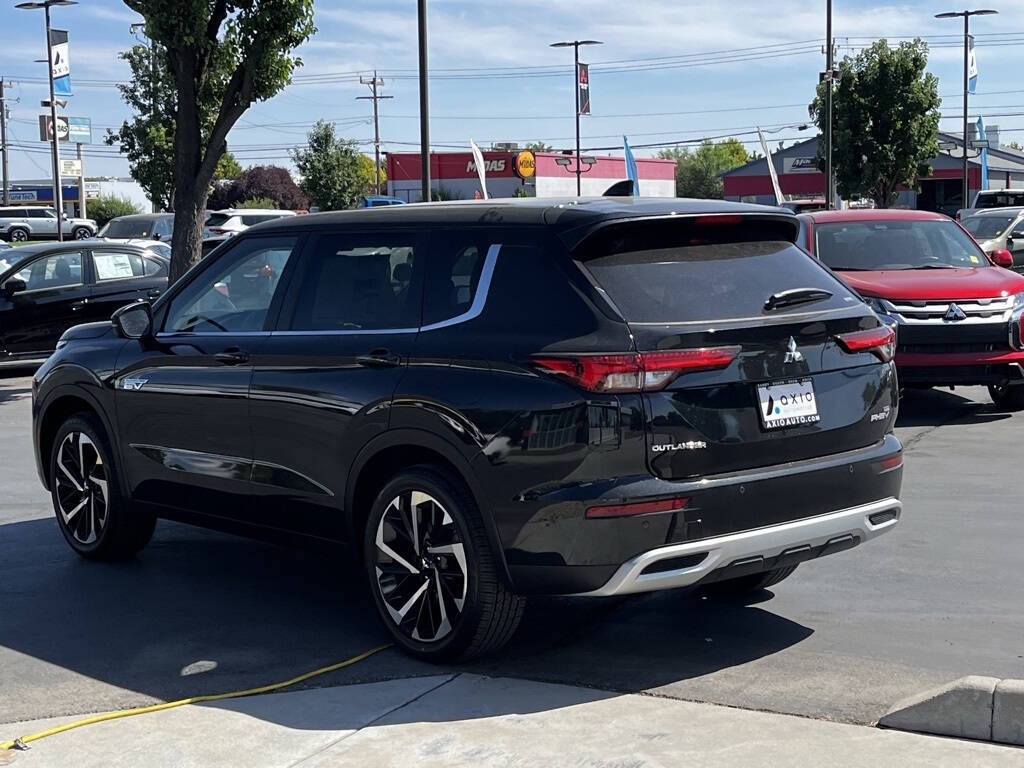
(22, 742)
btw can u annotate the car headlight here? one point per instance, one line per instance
(881, 310)
(1018, 300)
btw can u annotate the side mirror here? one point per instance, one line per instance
(1002, 258)
(13, 286)
(134, 321)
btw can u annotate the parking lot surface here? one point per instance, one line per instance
(842, 639)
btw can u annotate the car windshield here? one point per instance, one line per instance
(881, 244)
(128, 228)
(987, 227)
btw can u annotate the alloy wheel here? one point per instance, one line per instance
(82, 234)
(420, 565)
(82, 487)
(19, 236)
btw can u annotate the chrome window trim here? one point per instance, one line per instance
(171, 335)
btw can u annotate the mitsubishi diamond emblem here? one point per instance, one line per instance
(954, 314)
(793, 355)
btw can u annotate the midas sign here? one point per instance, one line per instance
(490, 166)
(526, 164)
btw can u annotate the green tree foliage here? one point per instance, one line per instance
(110, 207)
(697, 170)
(223, 52)
(335, 174)
(539, 146)
(269, 182)
(227, 168)
(263, 203)
(885, 121)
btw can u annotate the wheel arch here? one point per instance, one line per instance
(59, 404)
(395, 450)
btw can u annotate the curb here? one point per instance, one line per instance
(973, 707)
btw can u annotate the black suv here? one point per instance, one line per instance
(490, 400)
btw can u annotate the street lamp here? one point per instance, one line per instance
(575, 45)
(421, 18)
(967, 35)
(55, 150)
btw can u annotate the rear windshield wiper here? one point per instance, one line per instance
(795, 296)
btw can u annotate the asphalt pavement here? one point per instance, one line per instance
(842, 639)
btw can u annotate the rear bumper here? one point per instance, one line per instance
(764, 549)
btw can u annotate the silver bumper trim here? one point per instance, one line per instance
(767, 542)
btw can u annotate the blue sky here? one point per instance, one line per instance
(660, 101)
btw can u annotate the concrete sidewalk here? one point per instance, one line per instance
(469, 720)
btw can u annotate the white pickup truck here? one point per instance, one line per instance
(993, 198)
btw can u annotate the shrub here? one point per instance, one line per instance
(110, 207)
(258, 202)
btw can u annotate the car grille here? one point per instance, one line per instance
(975, 311)
(950, 349)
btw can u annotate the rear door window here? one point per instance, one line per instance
(453, 274)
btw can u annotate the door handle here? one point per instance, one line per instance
(379, 358)
(232, 356)
(77, 305)
(153, 293)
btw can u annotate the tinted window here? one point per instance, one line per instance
(453, 274)
(707, 282)
(153, 267)
(55, 271)
(10, 213)
(357, 282)
(128, 228)
(877, 245)
(116, 265)
(234, 294)
(216, 219)
(999, 199)
(987, 227)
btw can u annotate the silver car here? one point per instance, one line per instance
(999, 228)
(38, 222)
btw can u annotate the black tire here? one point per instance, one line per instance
(18, 235)
(746, 585)
(81, 233)
(489, 613)
(88, 500)
(1008, 398)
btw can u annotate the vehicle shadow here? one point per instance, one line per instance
(83, 633)
(935, 407)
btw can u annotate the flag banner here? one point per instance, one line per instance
(631, 171)
(779, 199)
(984, 153)
(583, 83)
(59, 65)
(972, 66)
(481, 167)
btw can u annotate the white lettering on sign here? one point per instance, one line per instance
(495, 166)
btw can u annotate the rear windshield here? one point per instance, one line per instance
(718, 281)
(988, 226)
(877, 245)
(216, 219)
(999, 199)
(128, 228)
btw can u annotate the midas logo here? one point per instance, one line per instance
(489, 165)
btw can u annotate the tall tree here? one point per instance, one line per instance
(227, 168)
(234, 52)
(335, 174)
(697, 170)
(885, 121)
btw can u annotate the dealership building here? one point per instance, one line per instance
(799, 176)
(453, 175)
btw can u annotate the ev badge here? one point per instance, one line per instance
(954, 314)
(793, 355)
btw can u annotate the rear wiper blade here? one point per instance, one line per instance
(795, 296)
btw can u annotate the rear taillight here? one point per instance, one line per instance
(879, 341)
(637, 508)
(636, 372)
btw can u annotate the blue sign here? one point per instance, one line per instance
(79, 130)
(60, 67)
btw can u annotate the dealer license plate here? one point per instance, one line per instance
(788, 404)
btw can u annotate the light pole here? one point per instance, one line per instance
(829, 74)
(421, 11)
(575, 45)
(55, 151)
(967, 36)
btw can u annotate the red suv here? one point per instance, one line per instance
(957, 314)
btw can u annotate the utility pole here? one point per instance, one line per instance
(81, 182)
(421, 9)
(3, 144)
(575, 45)
(829, 63)
(374, 82)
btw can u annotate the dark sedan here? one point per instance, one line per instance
(45, 289)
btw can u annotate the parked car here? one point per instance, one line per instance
(999, 229)
(992, 198)
(36, 222)
(804, 205)
(210, 243)
(375, 201)
(140, 226)
(51, 287)
(489, 400)
(958, 315)
(232, 221)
